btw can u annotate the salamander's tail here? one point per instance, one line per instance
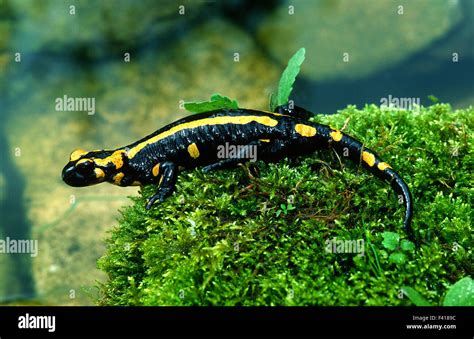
(349, 147)
(404, 196)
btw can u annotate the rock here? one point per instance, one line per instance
(372, 33)
(96, 30)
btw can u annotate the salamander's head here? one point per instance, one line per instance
(90, 168)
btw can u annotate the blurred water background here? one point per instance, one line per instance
(357, 52)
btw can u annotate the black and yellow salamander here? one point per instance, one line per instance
(194, 141)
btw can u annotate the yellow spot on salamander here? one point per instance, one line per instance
(305, 130)
(116, 158)
(336, 135)
(99, 174)
(265, 140)
(383, 165)
(193, 151)
(118, 178)
(368, 158)
(155, 170)
(77, 154)
(238, 120)
(83, 161)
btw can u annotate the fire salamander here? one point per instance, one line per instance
(194, 141)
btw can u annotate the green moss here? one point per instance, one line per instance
(256, 235)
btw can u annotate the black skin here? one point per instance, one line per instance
(273, 143)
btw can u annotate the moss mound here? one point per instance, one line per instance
(257, 235)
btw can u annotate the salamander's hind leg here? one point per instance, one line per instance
(166, 183)
(241, 156)
(273, 150)
(263, 149)
(226, 163)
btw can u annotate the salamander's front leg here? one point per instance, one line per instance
(166, 183)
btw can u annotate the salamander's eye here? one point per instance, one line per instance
(85, 166)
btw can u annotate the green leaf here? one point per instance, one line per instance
(407, 245)
(461, 293)
(287, 80)
(397, 258)
(390, 240)
(415, 297)
(273, 102)
(433, 99)
(217, 102)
